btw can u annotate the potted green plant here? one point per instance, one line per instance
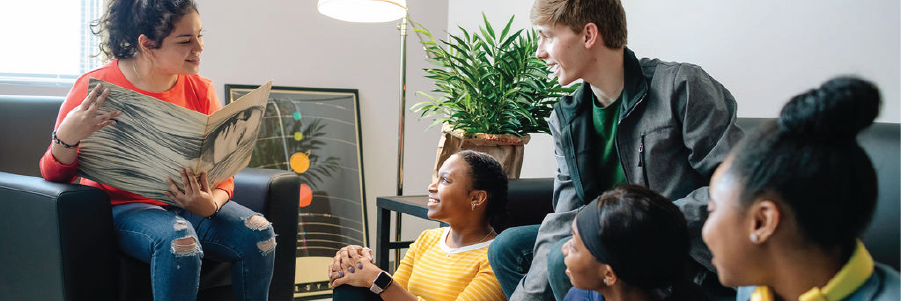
(491, 92)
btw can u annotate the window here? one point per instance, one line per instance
(47, 42)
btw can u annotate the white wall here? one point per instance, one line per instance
(764, 52)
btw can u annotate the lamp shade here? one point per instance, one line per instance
(364, 10)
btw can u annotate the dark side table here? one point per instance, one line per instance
(414, 205)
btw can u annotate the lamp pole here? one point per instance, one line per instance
(400, 129)
(403, 103)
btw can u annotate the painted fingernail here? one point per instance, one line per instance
(351, 269)
(340, 273)
(359, 265)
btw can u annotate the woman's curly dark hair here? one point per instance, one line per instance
(126, 20)
(488, 175)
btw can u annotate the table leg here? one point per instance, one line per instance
(398, 226)
(383, 230)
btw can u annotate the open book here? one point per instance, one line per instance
(153, 139)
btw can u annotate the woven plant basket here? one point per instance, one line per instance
(505, 148)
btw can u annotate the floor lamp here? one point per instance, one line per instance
(372, 11)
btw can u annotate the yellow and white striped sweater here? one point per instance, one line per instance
(433, 272)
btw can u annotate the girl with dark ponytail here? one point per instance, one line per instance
(630, 244)
(154, 48)
(789, 204)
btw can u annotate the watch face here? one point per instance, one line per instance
(383, 280)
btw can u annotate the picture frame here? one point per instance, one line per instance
(315, 132)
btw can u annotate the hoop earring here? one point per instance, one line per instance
(753, 237)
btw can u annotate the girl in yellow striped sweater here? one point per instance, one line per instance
(443, 264)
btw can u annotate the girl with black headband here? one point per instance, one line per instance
(790, 202)
(629, 244)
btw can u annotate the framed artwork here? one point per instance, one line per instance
(315, 133)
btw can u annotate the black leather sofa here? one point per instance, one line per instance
(530, 199)
(56, 240)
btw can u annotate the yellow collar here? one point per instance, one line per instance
(852, 275)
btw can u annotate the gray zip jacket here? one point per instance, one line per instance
(676, 125)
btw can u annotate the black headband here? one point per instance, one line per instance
(638, 272)
(589, 225)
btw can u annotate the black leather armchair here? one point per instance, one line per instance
(59, 245)
(57, 242)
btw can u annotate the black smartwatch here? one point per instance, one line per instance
(381, 283)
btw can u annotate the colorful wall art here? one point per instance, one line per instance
(315, 133)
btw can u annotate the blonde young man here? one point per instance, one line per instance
(663, 125)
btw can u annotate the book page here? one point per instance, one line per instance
(150, 142)
(230, 135)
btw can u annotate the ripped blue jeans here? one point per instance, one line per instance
(167, 238)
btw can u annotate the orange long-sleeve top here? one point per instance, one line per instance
(190, 91)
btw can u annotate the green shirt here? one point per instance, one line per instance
(605, 122)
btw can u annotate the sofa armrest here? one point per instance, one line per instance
(58, 241)
(275, 194)
(529, 201)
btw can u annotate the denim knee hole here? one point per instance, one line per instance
(257, 222)
(180, 224)
(267, 246)
(185, 246)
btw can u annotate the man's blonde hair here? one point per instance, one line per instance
(608, 15)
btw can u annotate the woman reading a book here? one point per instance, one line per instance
(443, 264)
(155, 47)
(790, 202)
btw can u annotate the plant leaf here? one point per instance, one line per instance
(488, 26)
